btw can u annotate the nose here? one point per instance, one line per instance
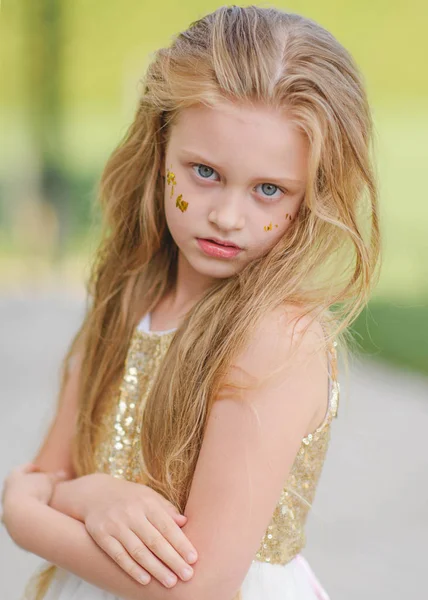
(228, 211)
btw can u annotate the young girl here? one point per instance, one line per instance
(241, 240)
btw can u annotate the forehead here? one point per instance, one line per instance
(257, 138)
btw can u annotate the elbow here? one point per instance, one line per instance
(212, 580)
(199, 587)
(13, 518)
(194, 589)
(14, 531)
(7, 521)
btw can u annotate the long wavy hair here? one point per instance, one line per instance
(326, 262)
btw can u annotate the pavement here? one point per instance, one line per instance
(368, 529)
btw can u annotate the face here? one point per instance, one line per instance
(234, 175)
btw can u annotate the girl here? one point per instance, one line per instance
(234, 225)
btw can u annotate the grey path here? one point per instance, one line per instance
(367, 533)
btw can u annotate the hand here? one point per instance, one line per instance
(138, 528)
(28, 480)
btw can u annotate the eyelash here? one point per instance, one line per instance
(284, 191)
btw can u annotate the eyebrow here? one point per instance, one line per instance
(279, 180)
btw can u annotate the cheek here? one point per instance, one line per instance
(180, 211)
(270, 235)
(277, 223)
(183, 204)
(172, 194)
(175, 218)
(267, 229)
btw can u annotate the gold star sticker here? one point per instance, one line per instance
(181, 204)
(170, 177)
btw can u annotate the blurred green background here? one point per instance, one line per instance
(69, 83)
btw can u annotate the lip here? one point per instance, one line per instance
(222, 242)
(218, 248)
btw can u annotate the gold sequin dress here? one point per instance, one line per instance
(278, 571)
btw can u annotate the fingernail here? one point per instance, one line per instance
(170, 580)
(191, 557)
(186, 573)
(144, 579)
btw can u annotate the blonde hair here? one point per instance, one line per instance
(325, 264)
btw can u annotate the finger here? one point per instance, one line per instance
(56, 477)
(25, 468)
(169, 507)
(118, 553)
(173, 511)
(18, 471)
(175, 536)
(61, 475)
(159, 542)
(180, 519)
(145, 557)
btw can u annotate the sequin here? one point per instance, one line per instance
(117, 443)
(117, 446)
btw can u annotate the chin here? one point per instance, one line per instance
(215, 268)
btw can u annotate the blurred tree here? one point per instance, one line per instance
(42, 26)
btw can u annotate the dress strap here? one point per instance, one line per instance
(333, 388)
(333, 375)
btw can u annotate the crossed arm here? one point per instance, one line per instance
(248, 450)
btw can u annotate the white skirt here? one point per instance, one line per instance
(293, 581)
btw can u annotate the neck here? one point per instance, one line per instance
(189, 285)
(188, 288)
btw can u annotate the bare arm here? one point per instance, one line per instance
(248, 449)
(65, 542)
(147, 555)
(247, 452)
(67, 501)
(55, 452)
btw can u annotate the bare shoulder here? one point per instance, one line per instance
(284, 336)
(292, 323)
(285, 358)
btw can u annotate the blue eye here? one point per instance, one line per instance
(204, 172)
(200, 168)
(269, 189)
